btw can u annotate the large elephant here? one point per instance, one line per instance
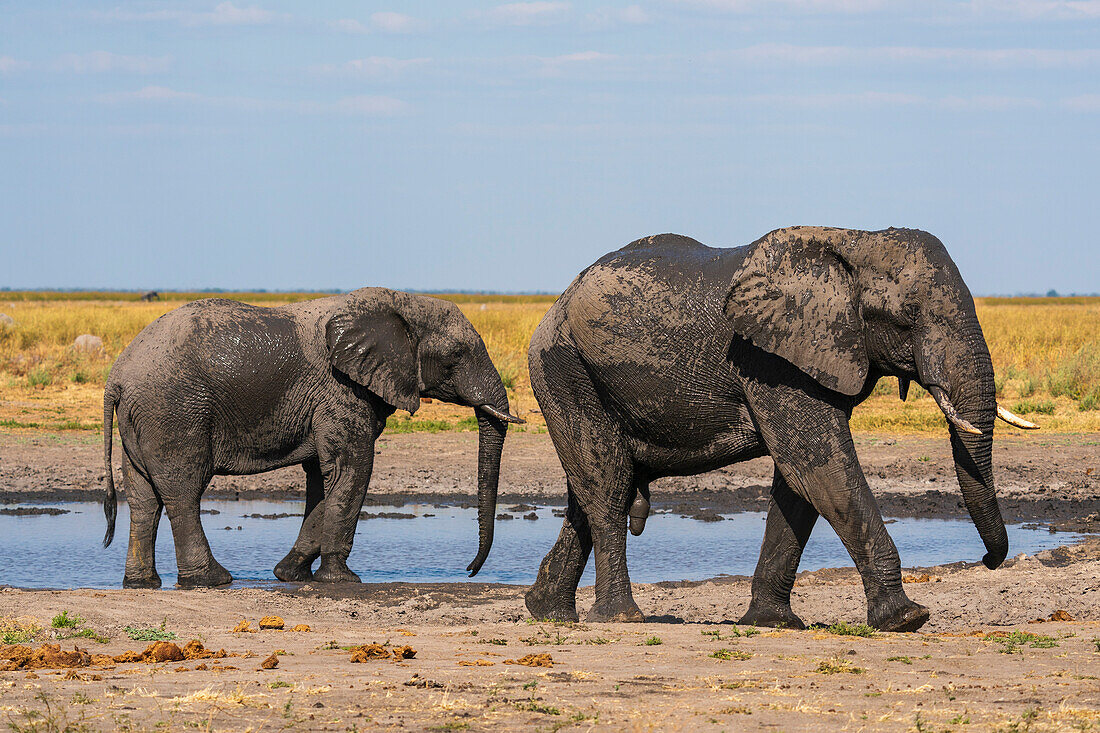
(668, 357)
(220, 387)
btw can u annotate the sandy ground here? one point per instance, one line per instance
(960, 673)
(667, 674)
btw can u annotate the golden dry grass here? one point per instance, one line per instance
(1046, 352)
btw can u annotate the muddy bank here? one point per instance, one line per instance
(1051, 479)
(979, 661)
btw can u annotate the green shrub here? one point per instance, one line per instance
(1041, 407)
(39, 378)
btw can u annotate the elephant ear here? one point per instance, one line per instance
(796, 299)
(373, 345)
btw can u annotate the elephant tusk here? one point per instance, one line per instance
(949, 411)
(499, 415)
(1015, 420)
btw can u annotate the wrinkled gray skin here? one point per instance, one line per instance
(668, 357)
(218, 387)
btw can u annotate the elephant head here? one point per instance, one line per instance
(848, 306)
(402, 347)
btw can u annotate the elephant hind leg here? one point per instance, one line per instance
(145, 510)
(554, 594)
(599, 470)
(297, 565)
(790, 521)
(194, 561)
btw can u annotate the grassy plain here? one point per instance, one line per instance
(1046, 352)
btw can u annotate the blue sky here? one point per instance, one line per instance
(448, 145)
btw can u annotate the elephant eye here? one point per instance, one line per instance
(911, 311)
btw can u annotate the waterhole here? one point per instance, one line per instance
(39, 550)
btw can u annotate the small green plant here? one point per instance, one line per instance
(730, 654)
(150, 634)
(924, 459)
(960, 719)
(64, 621)
(843, 628)
(80, 698)
(653, 641)
(1011, 642)
(598, 640)
(39, 378)
(496, 642)
(534, 707)
(1096, 643)
(1040, 407)
(837, 665)
(531, 685)
(279, 683)
(903, 660)
(87, 634)
(451, 725)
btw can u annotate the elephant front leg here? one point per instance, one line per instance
(809, 439)
(346, 479)
(296, 567)
(790, 521)
(554, 594)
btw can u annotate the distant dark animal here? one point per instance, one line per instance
(150, 296)
(668, 358)
(218, 387)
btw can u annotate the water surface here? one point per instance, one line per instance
(65, 551)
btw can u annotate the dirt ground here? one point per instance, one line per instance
(978, 665)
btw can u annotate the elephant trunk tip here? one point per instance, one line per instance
(482, 553)
(995, 557)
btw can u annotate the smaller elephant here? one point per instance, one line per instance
(150, 296)
(218, 387)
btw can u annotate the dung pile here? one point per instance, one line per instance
(51, 656)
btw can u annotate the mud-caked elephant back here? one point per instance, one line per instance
(795, 297)
(369, 341)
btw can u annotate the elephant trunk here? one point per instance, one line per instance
(491, 432)
(482, 388)
(970, 394)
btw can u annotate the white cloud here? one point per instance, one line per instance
(375, 66)
(1035, 9)
(9, 64)
(809, 6)
(372, 106)
(381, 22)
(390, 22)
(1083, 103)
(876, 99)
(223, 14)
(610, 17)
(530, 13)
(150, 94)
(98, 62)
(363, 105)
(772, 54)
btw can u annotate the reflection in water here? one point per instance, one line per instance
(64, 551)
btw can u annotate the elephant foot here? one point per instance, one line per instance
(618, 610)
(909, 616)
(334, 570)
(775, 616)
(210, 577)
(141, 581)
(294, 568)
(544, 606)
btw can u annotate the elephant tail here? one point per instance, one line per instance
(111, 395)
